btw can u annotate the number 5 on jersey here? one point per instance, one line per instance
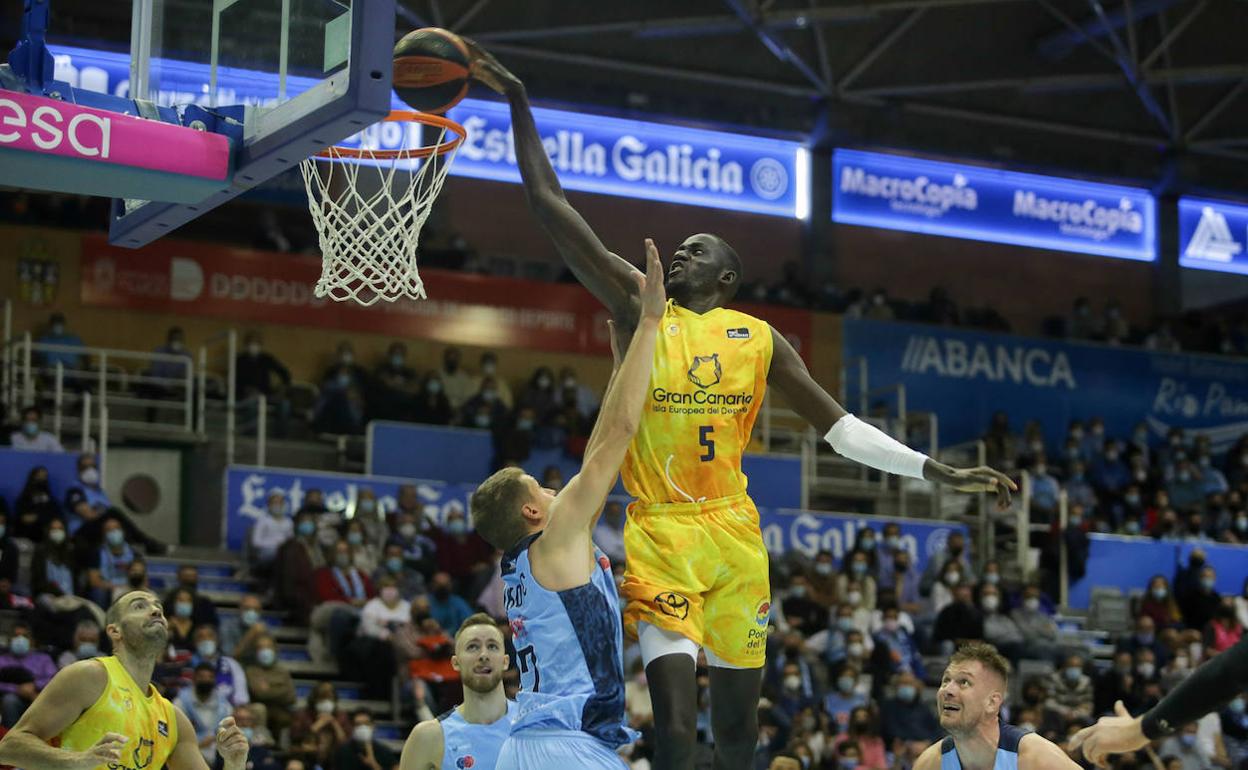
(704, 438)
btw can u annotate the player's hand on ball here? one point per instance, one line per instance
(231, 743)
(985, 479)
(653, 294)
(486, 68)
(106, 751)
(1110, 735)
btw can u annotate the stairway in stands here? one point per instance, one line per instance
(217, 581)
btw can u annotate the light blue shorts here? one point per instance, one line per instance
(556, 749)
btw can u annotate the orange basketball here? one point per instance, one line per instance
(431, 69)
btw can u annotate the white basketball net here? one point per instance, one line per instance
(369, 213)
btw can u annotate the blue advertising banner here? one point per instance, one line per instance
(1213, 235)
(966, 376)
(614, 156)
(809, 533)
(641, 159)
(1127, 563)
(983, 204)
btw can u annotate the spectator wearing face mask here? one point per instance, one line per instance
(1000, 630)
(35, 506)
(31, 436)
(394, 383)
(1069, 691)
(268, 534)
(230, 677)
(1186, 487)
(86, 505)
(85, 644)
(572, 392)
(800, 610)
(296, 563)
(489, 368)
(837, 635)
(168, 372)
(362, 752)
(1045, 491)
(462, 554)
(340, 408)
(795, 690)
(1038, 627)
(269, 682)
(259, 742)
(959, 621)
(447, 608)
(1185, 747)
(844, 697)
(1129, 511)
(240, 632)
(408, 581)
(609, 531)
(1234, 717)
(539, 393)
(365, 554)
(459, 383)
(368, 512)
(430, 405)
(856, 571)
(864, 731)
(1224, 629)
(205, 707)
(58, 334)
(419, 550)
(889, 546)
(53, 567)
(320, 727)
(953, 551)
(109, 571)
(941, 593)
(896, 651)
(906, 718)
(1201, 602)
(1160, 605)
(256, 369)
(1116, 683)
(30, 666)
(485, 409)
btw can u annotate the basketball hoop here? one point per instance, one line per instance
(369, 205)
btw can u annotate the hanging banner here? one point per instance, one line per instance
(243, 286)
(966, 376)
(983, 204)
(1213, 235)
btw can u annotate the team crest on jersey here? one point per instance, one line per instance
(739, 334)
(673, 604)
(706, 371)
(143, 753)
(466, 762)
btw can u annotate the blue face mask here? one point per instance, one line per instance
(115, 537)
(206, 649)
(306, 528)
(367, 506)
(1188, 739)
(30, 429)
(266, 656)
(19, 645)
(1237, 705)
(249, 617)
(394, 563)
(907, 692)
(183, 609)
(456, 527)
(1073, 674)
(845, 624)
(845, 684)
(858, 567)
(354, 538)
(87, 650)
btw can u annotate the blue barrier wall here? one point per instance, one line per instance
(1128, 562)
(462, 455)
(15, 466)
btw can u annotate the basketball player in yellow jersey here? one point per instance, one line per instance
(105, 714)
(697, 569)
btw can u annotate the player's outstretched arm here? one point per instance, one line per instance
(72, 691)
(608, 277)
(424, 747)
(864, 443)
(578, 503)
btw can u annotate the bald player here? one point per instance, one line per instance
(697, 569)
(470, 734)
(104, 713)
(969, 701)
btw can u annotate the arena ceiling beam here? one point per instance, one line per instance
(1059, 45)
(879, 49)
(1093, 81)
(1126, 62)
(775, 45)
(1213, 112)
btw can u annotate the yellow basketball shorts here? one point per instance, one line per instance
(700, 570)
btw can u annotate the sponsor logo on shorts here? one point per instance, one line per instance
(672, 604)
(763, 613)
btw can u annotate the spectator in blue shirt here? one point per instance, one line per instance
(896, 651)
(845, 698)
(906, 719)
(1110, 475)
(1078, 490)
(449, 609)
(57, 334)
(1214, 479)
(32, 437)
(1186, 489)
(1045, 490)
(170, 374)
(111, 570)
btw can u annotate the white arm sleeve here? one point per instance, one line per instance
(869, 445)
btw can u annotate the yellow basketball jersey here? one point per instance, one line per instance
(146, 719)
(709, 378)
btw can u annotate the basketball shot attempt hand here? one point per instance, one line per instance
(105, 712)
(712, 368)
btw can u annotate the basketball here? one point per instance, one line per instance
(431, 69)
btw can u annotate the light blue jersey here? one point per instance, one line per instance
(569, 648)
(468, 745)
(1007, 750)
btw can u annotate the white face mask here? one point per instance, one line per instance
(991, 603)
(854, 649)
(362, 733)
(324, 707)
(792, 682)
